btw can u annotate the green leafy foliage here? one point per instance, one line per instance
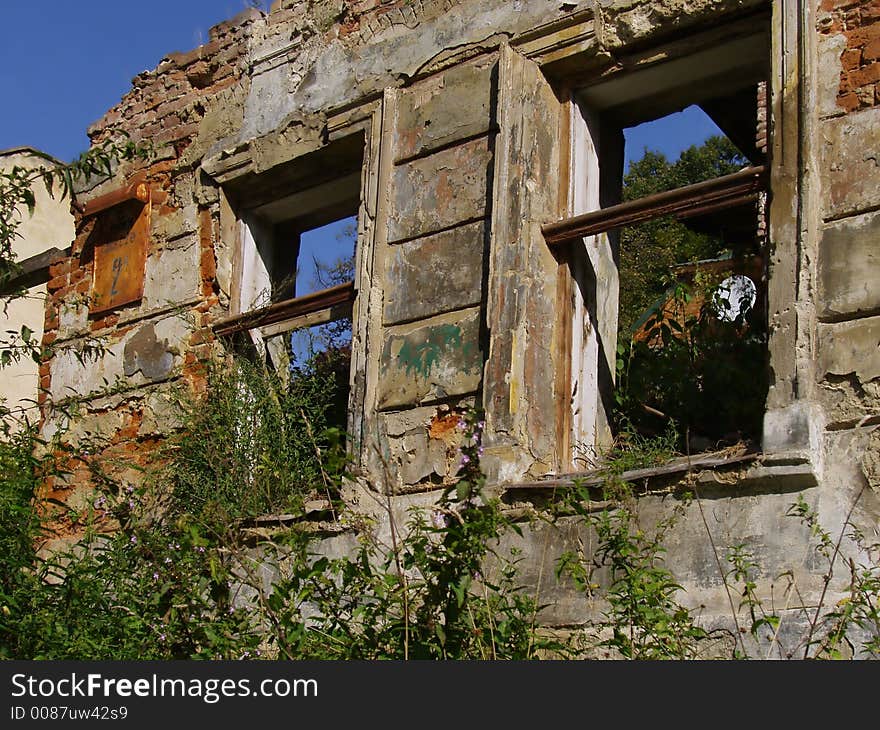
(644, 619)
(261, 442)
(146, 591)
(678, 362)
(423, 596)
(705, 375)
(649, 250)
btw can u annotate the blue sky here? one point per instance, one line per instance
(63, 63)
(669, 135)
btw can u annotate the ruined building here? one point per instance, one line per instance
(478, 145)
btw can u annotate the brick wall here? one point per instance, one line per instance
(857, 20)
(164, 103)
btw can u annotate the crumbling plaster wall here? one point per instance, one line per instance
(457, 293)
(845, 143)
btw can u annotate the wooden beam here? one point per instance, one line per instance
(34, 270)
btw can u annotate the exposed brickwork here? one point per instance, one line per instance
(859, 22)
(166, 105)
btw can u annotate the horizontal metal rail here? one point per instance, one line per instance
(288, 309)
(700, 198)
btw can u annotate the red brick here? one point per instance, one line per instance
(871, 51)
(208, 264)
(176, 133)
(184, 59)
(60, 269)
(848, 101)
(77, 275)
(851, 59)
(56, 283)
(109, 321)
(862, 36)
(865, 76)
(201, 336)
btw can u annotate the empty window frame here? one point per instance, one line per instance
(293, 281)
(590, 242)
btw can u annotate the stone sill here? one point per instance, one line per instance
(317, 518)
(735, 474)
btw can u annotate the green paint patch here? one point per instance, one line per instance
(420, 357)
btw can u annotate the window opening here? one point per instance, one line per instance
(320, 355)
(314, 259)
(325, 261)
(667, 257)
(296, 274)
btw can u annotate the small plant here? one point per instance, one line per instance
(424, 596)
(828, 629)
(633, 450)
(260, 444)
(643, 618)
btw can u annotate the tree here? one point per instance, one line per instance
(678, 362)
(649, 250)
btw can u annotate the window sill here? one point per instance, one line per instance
(733, 473)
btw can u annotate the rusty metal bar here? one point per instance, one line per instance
(288, 309)
(716, 194)
(138, 190)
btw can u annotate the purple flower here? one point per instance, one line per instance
(155, 576)
(465, 459)
(133, 540)
(439, 520)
